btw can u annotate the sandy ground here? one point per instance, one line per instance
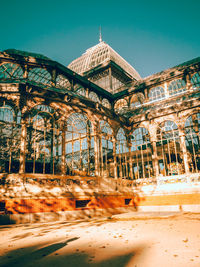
(142, 241)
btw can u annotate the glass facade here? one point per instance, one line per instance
(141, 153)
(41, 132)
(169, 150)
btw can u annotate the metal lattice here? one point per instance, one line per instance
(177, 87)
(11, 70)
(192, 141)
(63, 82)
(195, 81)
(141, 154)
(156, 93)
(39, 75)
(168, 149)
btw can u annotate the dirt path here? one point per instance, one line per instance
(142, 242)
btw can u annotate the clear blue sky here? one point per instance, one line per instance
(151, 35)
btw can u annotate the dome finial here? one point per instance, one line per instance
(100, 36)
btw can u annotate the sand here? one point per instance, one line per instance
(125, 240)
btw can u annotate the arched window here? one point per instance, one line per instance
(195, 81)
(62, 82)
(120, 106)
(79, 145)
(106, 103)
(106, 149)
(80, 90)
(105, 128)
(156, 93)
(6, 114)
(121, 152)
(94, 97)
(43, 151)
(136, 100)
(177, 87)
(168, 149)
(39, 75)
(10, 135)
(192, 141)
(11, 70)
(141, 154)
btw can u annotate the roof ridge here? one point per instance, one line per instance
(124, 60)
(97, 55)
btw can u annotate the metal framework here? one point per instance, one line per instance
(54, 121)
(168, 149)
(192, 139)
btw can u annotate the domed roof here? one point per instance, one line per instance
(99, 54)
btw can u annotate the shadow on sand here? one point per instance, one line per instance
(49, 256)
(29, 257)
